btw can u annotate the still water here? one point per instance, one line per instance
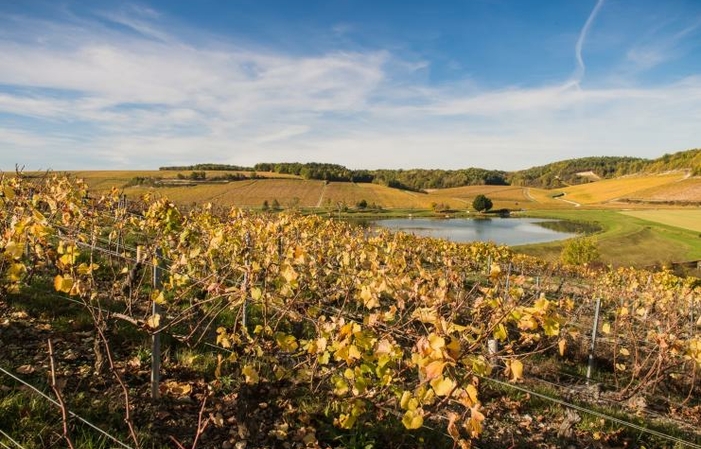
(508, 231)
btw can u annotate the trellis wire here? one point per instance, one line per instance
(54, 402)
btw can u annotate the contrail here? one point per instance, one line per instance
(579, 71)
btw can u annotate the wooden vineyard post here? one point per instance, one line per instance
(156, 338)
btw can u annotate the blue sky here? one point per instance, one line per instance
(502, 84)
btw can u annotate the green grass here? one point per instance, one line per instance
(625, 240)
(680, 218)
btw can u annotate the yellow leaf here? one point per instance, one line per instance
(495, 271)
(14, 250)
(528, 322)
(153, 321)
(516, 368)
(606, 328)
(562, 344)
(223, 338)
(541, 305)
(624, 351)
(84, 268)
(442, 386)
(340, 386)
(413, 419)
(436, 342)
(256, 293)
(471, 391)
(287, 343)
(15, 272)
(289, 274)
(157, 297)
(369, 299)
(454, 348)
(250, 374)
(425, 314)
(353, 353)
(346, 421)
(9, 193)
(500, 332)
(63, 284)
(404, 401)
(551, 327)
(434, 369)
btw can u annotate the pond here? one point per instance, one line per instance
(507, 231)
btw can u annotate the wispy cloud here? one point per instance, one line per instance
(661, 45)
(581, 68)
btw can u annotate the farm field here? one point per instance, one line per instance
(503, 197)
(644, 191)
(248, 193)
(612, 189)
(104, 180)
(686, 219)
(688, 189)
(627, 240)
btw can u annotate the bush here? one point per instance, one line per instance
(580, 251)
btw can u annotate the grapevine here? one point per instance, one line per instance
(378, 325)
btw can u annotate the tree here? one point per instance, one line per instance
(362, 204)
(580, 251)
(266, 206)
(481, 203)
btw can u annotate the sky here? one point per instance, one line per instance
(496, 84)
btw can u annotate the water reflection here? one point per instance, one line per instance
(508, 231)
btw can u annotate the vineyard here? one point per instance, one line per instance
(151, 326)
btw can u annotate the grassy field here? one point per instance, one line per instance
(686, 219)
(627, 240)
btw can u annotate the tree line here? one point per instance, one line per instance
(551, 175)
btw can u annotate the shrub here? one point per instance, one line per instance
(580, 251)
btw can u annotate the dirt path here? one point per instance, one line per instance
(321, 197)
(576, 204)
(527, 193)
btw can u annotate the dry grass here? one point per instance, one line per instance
(680, 218)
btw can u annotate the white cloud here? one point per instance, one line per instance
(84, 94)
